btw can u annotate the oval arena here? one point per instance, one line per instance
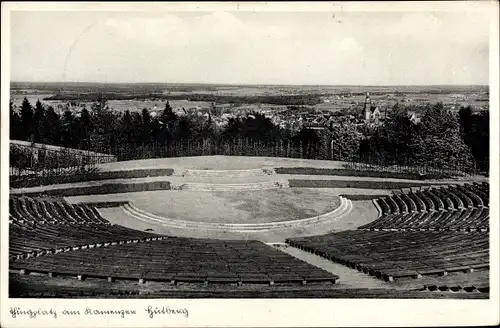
(239, 227)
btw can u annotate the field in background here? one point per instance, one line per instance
(328, 98)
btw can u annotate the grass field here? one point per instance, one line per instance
(257, 206)
(384, 96)
(361, 213)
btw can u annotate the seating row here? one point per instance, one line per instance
(390, 255)
(42, 211)
(180, 260)
(31, 240)
(436, 199)
(460, 207)
(473, 281)
(470, 219)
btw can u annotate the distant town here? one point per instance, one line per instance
(359, 107)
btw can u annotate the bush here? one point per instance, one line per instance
(33, 166)
(362, 184)
(33, 180)
(358, 173)
(107, 188)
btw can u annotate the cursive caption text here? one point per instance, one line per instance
(152, 312)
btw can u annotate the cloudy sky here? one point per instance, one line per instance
(348, 48)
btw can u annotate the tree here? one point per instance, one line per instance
(27, 120)
(86, 127)
(39, 122)
(52, 127)
(325, 141)
(168, 124)
(254, 126)
(203, 127)
(15, 123)
(398, 136)
(436, 120)
(100, 104)
(465, 118)
(475, 127)
(147, 126)
(439, 143)
(306, 139)
(345, 142)
(185, 130)
(168, 114)
(233, 128)
(104, 125)
(479, 139)
(127, 128)
(67, 128)
(137, 128)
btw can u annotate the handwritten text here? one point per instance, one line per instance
(166, 310)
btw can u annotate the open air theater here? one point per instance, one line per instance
(246, 227)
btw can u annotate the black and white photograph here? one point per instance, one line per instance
(240, 152)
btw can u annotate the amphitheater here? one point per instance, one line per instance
(249, 227)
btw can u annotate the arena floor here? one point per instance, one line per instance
(361, 213)
(237, 206)
(218, 163)
(249, 206)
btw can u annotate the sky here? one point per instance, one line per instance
(319, 48)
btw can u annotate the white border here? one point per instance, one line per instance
(261, 312)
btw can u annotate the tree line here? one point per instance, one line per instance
(442, 139)
(298, 100)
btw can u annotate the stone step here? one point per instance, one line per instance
(225, 173)
(344, 208)
(195, 186)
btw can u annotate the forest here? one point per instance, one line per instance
(441, 140)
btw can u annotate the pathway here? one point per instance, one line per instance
(349, 278)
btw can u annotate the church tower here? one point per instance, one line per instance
(368, 108)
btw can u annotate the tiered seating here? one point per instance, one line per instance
(181, 260)
(51, 236)
(437, 202)
(447, 202)
(34, 240)
(474, 281)
(43, 211)
(383, 205)
(409, 201)
(480, 191)
(393, 206)
(418, 201)
(457, 202)
(45, 226)
(403, 207)
(466, 200)
(429, 205)
(476, 200)
(451, 208)
(395, 254)
(444, 231)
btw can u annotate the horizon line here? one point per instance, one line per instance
(254, 84)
